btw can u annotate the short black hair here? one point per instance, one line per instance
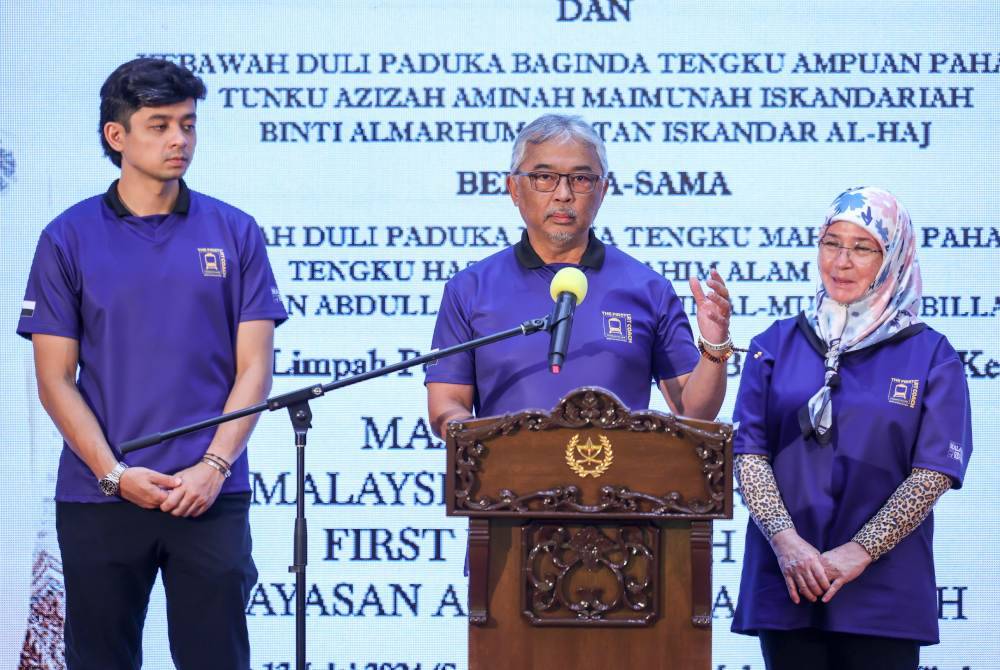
(144, 82)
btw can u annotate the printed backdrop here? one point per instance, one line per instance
(370, 140)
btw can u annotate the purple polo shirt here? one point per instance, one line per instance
(901, 404)
(155, 303)
(629, 330)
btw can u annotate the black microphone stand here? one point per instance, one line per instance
(297, 403)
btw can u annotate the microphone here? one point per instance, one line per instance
(568, 289)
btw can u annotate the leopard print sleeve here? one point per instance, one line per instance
(906, 508)
(761, 495)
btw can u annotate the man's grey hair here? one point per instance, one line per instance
(558, 127)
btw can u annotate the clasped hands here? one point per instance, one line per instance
(816, 575)
(188, 493)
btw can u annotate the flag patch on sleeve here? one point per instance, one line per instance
(28, 308)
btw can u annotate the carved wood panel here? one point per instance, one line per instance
(590, 575)
(590, 455)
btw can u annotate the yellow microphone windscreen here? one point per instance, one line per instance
(569, 280)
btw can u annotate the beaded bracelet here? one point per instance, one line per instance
(717, 353)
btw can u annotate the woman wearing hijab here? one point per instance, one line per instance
(853, 419)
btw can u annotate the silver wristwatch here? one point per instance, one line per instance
(109, 482)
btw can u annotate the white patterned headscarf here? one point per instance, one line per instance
(890, 304)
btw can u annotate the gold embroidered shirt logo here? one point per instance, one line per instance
(213, 262)
(589, 459)
(904, 391)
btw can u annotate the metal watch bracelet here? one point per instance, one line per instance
(109, 483)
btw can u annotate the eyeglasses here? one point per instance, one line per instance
(860, 253)
(546, 182)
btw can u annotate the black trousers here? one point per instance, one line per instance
(111, 554)
(812, 649)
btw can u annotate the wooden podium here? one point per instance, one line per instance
(590, 534)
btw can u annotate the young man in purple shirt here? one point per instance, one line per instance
(162, 300)
(629, 331)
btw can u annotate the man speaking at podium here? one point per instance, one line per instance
(630, 330)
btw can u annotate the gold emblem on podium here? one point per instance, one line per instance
(589, 459)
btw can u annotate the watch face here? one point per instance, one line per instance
(109, 487)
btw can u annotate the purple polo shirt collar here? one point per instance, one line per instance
(593, 256)
(111, 198)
